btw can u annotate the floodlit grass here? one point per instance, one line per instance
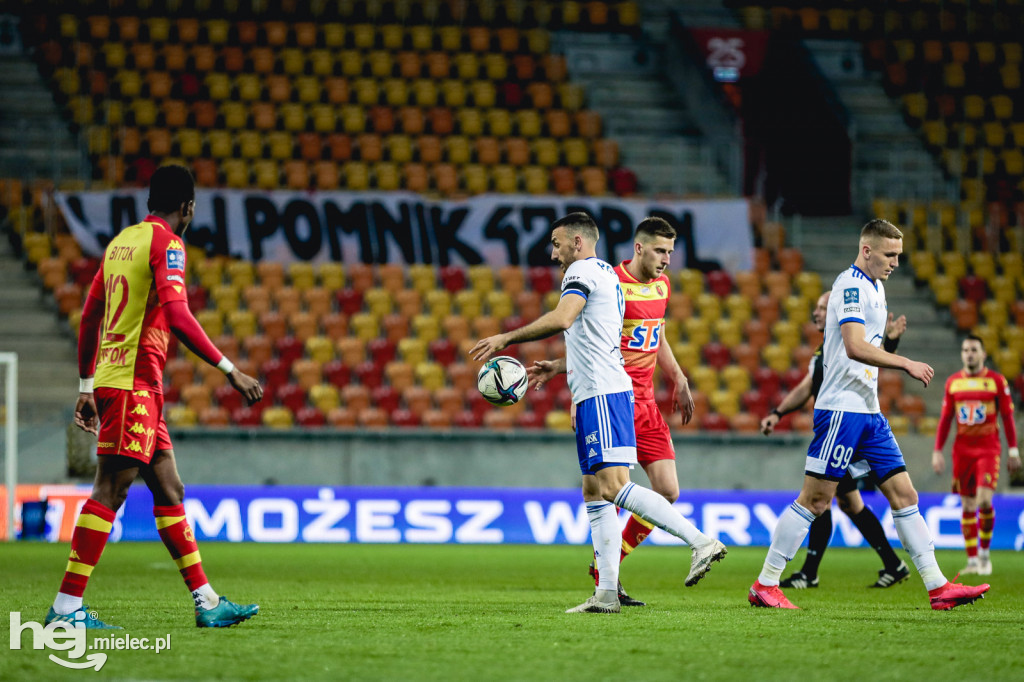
(358, 612)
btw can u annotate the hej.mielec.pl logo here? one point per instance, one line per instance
(70, 638)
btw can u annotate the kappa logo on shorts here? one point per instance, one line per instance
(140, 409)
(851, 296)
(134, 446)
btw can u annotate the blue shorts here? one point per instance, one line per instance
(854, 441)
(604, 432)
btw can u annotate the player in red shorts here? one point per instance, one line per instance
(646, 290)
(137, 300)
(974, 396)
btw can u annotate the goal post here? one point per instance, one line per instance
(9, 363)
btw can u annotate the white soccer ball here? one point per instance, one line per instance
(502, 380)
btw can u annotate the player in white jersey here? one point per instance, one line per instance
(851, 432)
(590, 313)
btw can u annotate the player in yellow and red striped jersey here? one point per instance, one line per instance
(646, 290)
(137, 300)
(975, 396)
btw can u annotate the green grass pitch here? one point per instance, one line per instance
(370, 612)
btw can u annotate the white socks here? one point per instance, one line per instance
(653, 508)
(917, 540)
(65, 604)
(789, 534)
(205, 598)
(607, 536)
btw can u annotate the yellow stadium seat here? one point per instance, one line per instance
(320, 349)
(413, 350)
(777, 357)
(499, 304)
(439, 302)
(945, 289)
(698, 331)
(277, 417)
(736, 379)
(332, 276)
(324, 397)
(364, 326)
(430, 375)
(703, 378)
(729, 331)
(535, 180)
(211, 321)
(426, 327)
(709, 307)
(469, 303)
(558, 420)
(242, 323)
(738, 307)
(686, 354)
(181, 416)
(691, 282)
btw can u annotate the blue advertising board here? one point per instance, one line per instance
(506, 515)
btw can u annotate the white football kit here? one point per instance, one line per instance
(600, 387)
(848, 385)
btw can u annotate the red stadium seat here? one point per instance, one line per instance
(719, 283)
(227, 397)
(453, 278)
(973, 288)
(715, 423)
(541, 279)
(386, 398)
(756, 402)
(468, 419)
(768, 381)
(276, 374)
(289, 349)
(382, 351)
(369, 374)
(310, 417)
(443, 351)
(246, 416)
(404, 418)
(716, 355)
(349, 301)
(336, 373)
(291, 396)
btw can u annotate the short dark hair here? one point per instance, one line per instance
(169, 188)
(654, 227)
(975, 337)
(578, 223)
(880, 228)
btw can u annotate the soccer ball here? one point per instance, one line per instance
(502, 380)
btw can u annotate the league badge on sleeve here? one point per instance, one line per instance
(175, 259)
(851, 296)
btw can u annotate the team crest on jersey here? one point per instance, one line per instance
(176, 259)
(661, 292)
(851, 296)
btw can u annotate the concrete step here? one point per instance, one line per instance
(50, 349)
(23, 324)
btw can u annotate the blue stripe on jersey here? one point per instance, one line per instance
(857, 272)
(851, 319)
(573, 291)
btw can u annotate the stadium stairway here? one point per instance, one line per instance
(828, 246)
(47, 364)
(34, 141)
(889, 159)
(658, 138)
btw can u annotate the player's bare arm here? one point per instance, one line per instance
(549, 324)
(682, 399)
(543, 371)
(792, 401)
(857, 348)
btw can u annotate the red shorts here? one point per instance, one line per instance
(131, 423)
(653, 438)
(970, 473)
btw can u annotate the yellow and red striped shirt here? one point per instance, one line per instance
(642, 324)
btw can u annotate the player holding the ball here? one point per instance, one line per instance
(590, 313)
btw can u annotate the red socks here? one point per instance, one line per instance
(986, 522)
(635, 532)
(181, 543)
(87, 543)
(969, 526)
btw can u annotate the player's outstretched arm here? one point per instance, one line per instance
(558, 320)
(792, 401)
(187, 329)
(857, 348)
